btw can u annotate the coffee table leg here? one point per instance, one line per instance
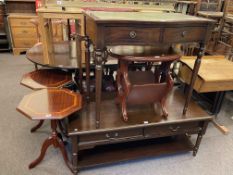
(199, 138)
(75, 154)
(37, 126)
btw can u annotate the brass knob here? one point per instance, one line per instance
(107, 135)
(184, 33)
(116, 134)
(174, 129)
(132, 34)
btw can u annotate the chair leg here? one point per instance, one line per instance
(37, 126)
(56, 142)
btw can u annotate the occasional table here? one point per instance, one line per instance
(53, 105)
(46, 78)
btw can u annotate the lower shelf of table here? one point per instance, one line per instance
(131, 150)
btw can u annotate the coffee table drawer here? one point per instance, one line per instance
(111, 135)
(185, 34)
(172, 129)
(136, 35)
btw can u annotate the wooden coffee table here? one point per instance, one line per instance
(145, 134)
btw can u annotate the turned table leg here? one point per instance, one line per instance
(100, 57)
(56, 142)
(87, 63)
(199, 138)
(75, 154)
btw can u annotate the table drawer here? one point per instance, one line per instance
(21, 22)
(111, 136)
(126, 35)
(185, 34)
(24, 32)
(24, 43)
(172, 129)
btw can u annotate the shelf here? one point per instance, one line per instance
(132, 150)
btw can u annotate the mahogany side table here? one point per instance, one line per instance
(53, 105)
(43, 79)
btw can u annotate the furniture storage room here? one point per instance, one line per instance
(109, 87)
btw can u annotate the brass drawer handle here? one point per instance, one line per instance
(184, 33)
(132, 34)
(175, 129)
(107, 135)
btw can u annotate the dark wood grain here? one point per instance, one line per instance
(117, 140)
(18, 6)
(138, 115)
(46, 78)
(50, 104)
(60, 58)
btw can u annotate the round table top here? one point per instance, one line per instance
(61, 58)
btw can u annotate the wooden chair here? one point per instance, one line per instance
(57, 26)
(53, 105)
(225, 37)
(211, 9)
(143, 87)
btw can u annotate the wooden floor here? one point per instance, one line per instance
(138, 115)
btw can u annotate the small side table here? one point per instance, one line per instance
(43, 79)
(46, 78)
(53, 105)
